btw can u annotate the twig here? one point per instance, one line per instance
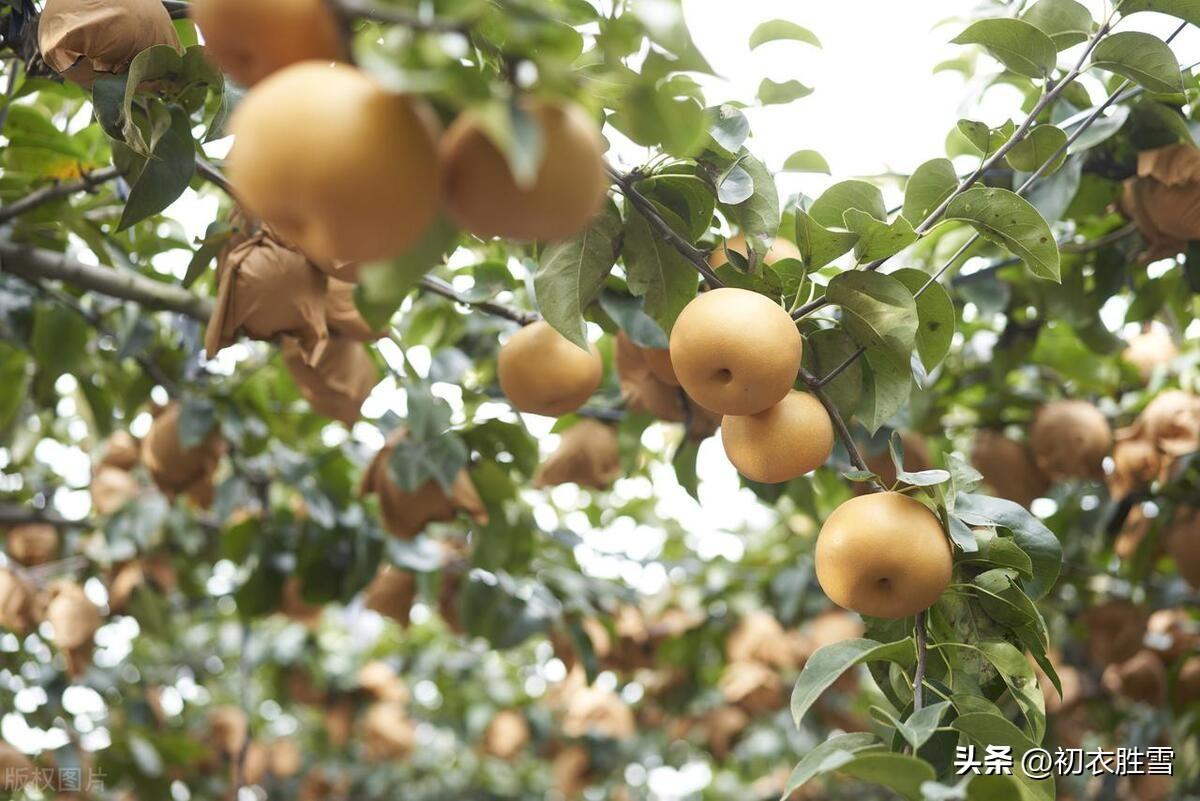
(437, 286)
(697, 257)
(178, 9)
(922, 658)
(54, 191)
(839, 425)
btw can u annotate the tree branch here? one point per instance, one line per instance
(697, 257)
(839, 425)
(54, 191)
(437, 286)
(34, 263)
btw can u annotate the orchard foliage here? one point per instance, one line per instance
(427, 599)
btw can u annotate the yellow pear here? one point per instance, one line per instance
(339, 165)
(780, 249)
(735, 351)
(250, 40)
(484, 197)
(787, 440)
(883, 555)
(542, 372)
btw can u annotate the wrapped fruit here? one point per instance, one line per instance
(1133, 534)
(569, 770)
(155, 571)
(387, 731)
(1140, 678)
(122, 451)
(1136, 463)
(758, 637)
(228, 729)
(268, 289)
(1183, 543)
(391, 593)
(753, 686)
(318, 785)
(293, 606)
(1150, 349)
(639, 372)
(75, 620)
(32, 544)
(1172, 422)
(1164, 199)
(16, 603)
(406, 514)
(1069, 439)
(507, 735)
(178, 470)
(383, 682)
(111, 489)
(588, 456)
(1115, 631)
(342, 315)
(598, 712)
(1007, 467)
(721, 727)
(1187, 682)
(83, 40)
(16, 769)
(338, 382)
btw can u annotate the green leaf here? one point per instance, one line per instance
(1066, 22)
(921, 724)
(572, 273)
(1029, 533)
(1037, 147)
(14, 382)
(655, 270)
(996, 551)
(928, 188)
(779, 30)
(825, 666)
(1142, 58)
(900, 772)
(197, 419)
(935, 315)
(1016, 44)
(688, 196)
(383, 286)
(876, 239)
(827, 349)
(806, 161)
(516, 134)
(771, 93)
(1011, 221)
(830, 208)
(758, 217)
(684, 462)
(628, 312)
(819, 245)
(1187, 10)
(1022, 683)
(59, 340)
(887, 385)
(988, 729)
(984, 139)
(729, 128)
(878, 310)
(837, 750)
(166, 173)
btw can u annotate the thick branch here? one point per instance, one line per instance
(35, 264)
(697, 257)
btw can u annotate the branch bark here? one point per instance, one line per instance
(697, 257)
(437, 286)
(54, 191)
(34, 263)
